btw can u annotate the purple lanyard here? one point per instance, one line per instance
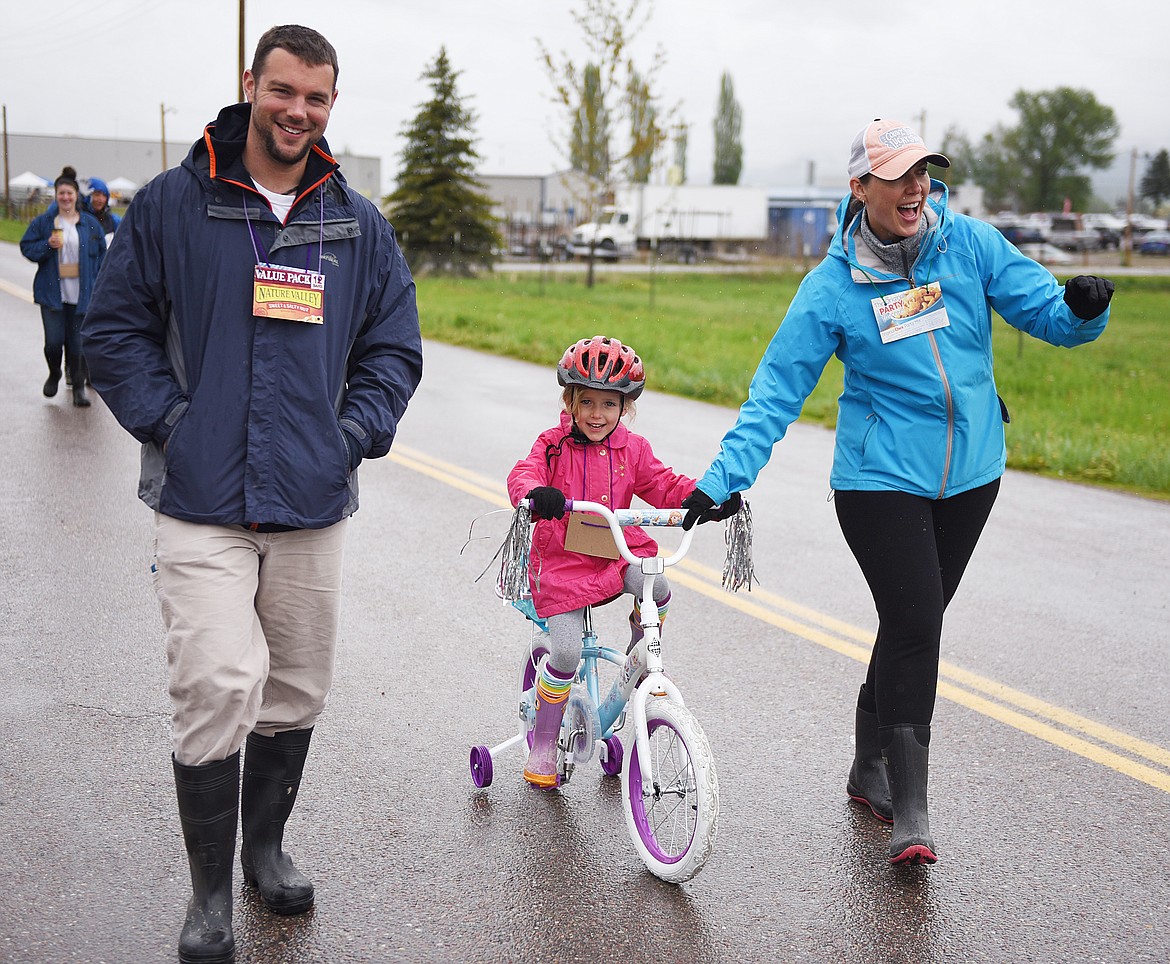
(257, 246)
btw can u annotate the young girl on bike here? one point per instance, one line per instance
(589, 455)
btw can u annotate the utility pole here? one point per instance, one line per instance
(240, 44)
(7, 198)
(163, 110)
(1127, 244)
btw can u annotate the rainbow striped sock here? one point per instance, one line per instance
(551, 687)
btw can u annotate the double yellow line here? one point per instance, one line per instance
(1145, 762)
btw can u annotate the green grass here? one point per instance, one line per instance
(1099, 414)
(12, 231)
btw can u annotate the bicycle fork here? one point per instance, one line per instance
(641, 676)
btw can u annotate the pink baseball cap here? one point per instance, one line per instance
(888, 149)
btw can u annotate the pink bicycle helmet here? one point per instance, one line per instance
(603, 363)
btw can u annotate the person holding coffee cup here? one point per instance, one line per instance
(67, 245)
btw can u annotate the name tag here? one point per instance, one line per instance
(290, 293)
(910, 312)
(590, 535)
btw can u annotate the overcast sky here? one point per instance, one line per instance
(807, 74)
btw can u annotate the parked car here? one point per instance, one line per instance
(1155, 242)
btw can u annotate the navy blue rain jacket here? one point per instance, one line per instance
(34, 245)
(245, 419)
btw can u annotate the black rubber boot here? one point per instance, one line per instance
(907, 753)
(208, 809)
(867, 782)
(272, 776)
(54, 378)
(77, 383)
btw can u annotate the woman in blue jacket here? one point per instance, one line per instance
(904, 298)
(67, 245)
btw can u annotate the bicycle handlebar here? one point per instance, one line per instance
(630, 517)
(617, 518)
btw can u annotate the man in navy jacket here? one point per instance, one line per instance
(256, 330)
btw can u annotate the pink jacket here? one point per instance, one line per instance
(610, 472)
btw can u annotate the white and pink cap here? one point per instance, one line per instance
(888, 149)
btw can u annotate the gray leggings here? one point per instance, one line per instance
(564, 629)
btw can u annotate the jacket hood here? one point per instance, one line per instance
(219, 154)
(843, 245)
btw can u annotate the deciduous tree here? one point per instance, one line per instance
(1061, 133)
(728, 134)
(589, 143)
(623, 93)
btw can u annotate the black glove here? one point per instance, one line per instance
(1087, 296)
(547, 502)
(702, 508)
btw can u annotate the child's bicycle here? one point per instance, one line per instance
(670, 792)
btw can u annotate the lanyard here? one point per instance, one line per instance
(257, 245)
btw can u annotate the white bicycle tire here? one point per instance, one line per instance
(673, 827)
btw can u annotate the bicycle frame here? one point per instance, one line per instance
(640, 675)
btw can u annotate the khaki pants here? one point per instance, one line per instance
(251, 620)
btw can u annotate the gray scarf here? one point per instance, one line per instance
(899, 256)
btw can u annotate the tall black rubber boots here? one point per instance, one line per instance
(867, 782)
(79, 371)
(906, 749)
(54, 378)
(272, 776)
(208, 797)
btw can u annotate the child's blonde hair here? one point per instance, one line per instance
(571, 396)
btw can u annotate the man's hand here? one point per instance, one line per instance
(547, 502)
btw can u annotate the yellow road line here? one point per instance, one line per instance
(965, 677)
(992, 699)
(16, 291)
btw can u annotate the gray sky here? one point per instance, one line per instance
(807, 74)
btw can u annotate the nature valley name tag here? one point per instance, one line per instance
(910, 312)
(589, 534)
(289, 293)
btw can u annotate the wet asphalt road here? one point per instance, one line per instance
(1050, 774)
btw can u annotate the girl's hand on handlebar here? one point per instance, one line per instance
(547, 502)
(702, 508)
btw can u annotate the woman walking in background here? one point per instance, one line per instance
(67, 245)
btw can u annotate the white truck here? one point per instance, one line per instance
(687, 222)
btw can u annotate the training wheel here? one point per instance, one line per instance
(611, 766)
(481, 766)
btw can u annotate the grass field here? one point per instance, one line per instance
(1099, 414)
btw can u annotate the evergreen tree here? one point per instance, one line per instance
(441, 213)
(728, 143)
(1156, 181)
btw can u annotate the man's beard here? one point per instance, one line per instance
(273, 149)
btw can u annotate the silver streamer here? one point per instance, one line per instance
(512, 583)
(738, 568)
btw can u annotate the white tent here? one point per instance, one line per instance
(24, 184)
(123, 187)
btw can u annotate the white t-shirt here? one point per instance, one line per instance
(281, 203)
(69, 253)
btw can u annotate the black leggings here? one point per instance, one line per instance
(912, 552)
